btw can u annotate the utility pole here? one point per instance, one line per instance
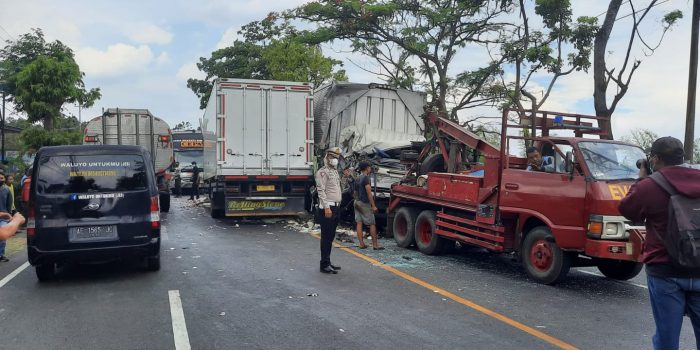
(692, 83)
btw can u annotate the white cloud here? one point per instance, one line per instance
(163, 58)
(190, 70)
(149, 34)
(227, 39)
(118, 59)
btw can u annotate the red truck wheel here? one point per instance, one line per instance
(426, 240)
(619, 269)
(542, 258)
(404, 226)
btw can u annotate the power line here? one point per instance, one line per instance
(8, 33)
(636, 12)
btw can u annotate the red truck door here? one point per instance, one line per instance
(554, 197)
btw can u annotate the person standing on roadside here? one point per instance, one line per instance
(365, 208)
(329, 197)
(673, 290)
(11, 185)
(5, 210)
(195, 182)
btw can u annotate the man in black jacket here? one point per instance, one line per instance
(195, 182)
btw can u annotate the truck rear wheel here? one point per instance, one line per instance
(164, 202)
(404, 226)
(426, 240)
(619, 269)
(542, 259)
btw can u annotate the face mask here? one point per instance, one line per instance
(333, 162)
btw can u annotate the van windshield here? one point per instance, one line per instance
(91, 173)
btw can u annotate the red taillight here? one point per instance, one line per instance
(90, 138)
(155, 213)
(31, 222)
(164, 138)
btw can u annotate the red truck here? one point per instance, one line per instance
(461, 188)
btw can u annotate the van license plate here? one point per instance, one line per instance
(262, 188)
(92, 234)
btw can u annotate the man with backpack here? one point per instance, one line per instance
(667, 201)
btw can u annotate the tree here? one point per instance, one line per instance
(416, 38)
(290, 59)
(603, 75)
(269, 49)
(41, 77)
(559, 48)
(183, 126)
(641, 137)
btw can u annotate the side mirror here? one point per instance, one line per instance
(176, 165)
(569, 165)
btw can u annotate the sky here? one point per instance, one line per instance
(141, 53)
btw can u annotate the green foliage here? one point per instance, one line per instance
(41, 77)
(672, 18)
(289, 59)
(269, 50)
(184, 125)
(36, 137)
(414, 42)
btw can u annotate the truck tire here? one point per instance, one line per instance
(619, 269)
(542, 259)
(389, 231)
(434, 163)
(427, 241)
(164, 202)
(404, 226)
(217, 213)
(46, 272)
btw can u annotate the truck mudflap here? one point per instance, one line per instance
(264, 206)
(630, 250)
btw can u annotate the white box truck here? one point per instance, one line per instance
(120, 126)
(258, 147)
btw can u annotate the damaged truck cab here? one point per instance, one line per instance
(485, 196)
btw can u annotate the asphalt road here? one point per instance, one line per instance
(256, 285)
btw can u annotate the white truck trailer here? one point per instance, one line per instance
(119, 126)
(258, 147)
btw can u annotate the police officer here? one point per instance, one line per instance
(329, 197)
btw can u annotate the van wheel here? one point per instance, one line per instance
(153, 263)
(164, 203)
(404, 226)
(542, 259)
(46, 272)
(619, 269)
(426, 240)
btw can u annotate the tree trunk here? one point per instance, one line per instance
(599, 69)
(48, 123)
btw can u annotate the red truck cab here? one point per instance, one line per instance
(485, 196)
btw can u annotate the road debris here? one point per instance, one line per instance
(222, 314)
(312, 295)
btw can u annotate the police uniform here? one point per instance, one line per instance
(329, 196)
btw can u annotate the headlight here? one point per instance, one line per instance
(607, 227)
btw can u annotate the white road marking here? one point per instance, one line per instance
(13, 274)
(182, 340)
(623, 282)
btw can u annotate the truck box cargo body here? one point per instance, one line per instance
(120, 126)
(258, 147)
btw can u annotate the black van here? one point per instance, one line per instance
(92, 203)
